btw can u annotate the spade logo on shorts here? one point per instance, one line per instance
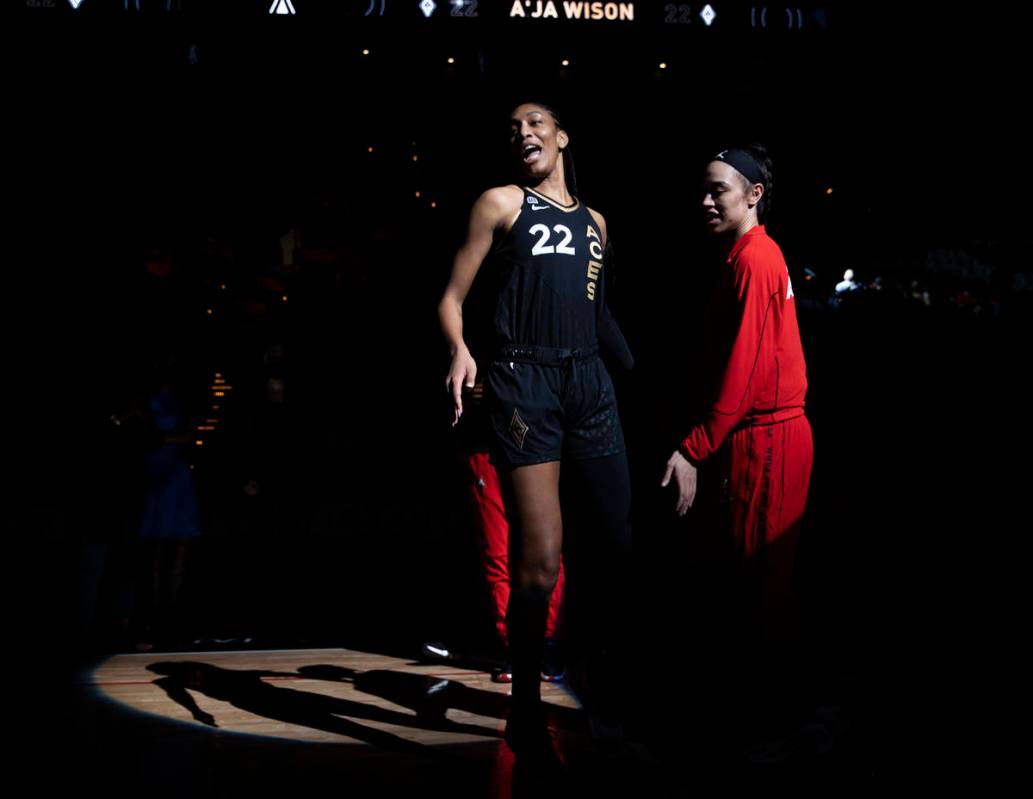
(518, 429)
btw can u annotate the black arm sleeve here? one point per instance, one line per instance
(611, 339)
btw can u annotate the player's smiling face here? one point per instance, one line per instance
(536, 140)
(726, 201)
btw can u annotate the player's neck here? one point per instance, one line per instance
(748, 224)
(555, 188)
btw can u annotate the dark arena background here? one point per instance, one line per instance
(256, 203)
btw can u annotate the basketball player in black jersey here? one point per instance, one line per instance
(551, 401)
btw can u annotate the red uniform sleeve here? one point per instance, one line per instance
(753, 354)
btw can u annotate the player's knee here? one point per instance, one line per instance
(540, 574)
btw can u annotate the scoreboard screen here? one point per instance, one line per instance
(638, 15)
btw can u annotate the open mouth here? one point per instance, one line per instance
(530, 153)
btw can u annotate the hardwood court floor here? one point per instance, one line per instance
(277, 722)
(320, 695)
(280, 722)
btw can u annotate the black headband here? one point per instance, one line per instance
(744, 163)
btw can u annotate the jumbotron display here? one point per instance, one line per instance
(635, 14)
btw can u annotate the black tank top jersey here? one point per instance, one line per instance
(550, 264)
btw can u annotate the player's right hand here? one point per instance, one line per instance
(461, 376)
